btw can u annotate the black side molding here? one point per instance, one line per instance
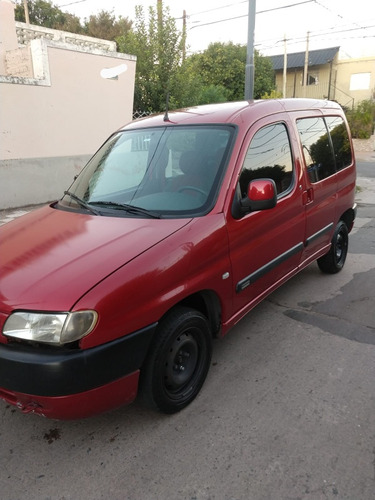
(251, 278)
(318, 234)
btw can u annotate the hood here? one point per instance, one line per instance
(50, 258)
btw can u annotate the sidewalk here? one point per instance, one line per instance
(364, 151)
(10, 214)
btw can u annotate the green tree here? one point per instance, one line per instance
(105, 25)
(223, 65)
(44, 13)
(212, 94)
(159, 48)
(186, 88)
(264, 76)
(362, 119)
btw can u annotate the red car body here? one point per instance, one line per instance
(134, 270)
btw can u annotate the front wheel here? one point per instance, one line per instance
(333, 261)
(178, 361)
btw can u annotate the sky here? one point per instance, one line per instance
(349, 24)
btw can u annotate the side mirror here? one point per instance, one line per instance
(261, 195)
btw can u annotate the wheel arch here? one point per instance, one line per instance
(348, 217)
(206, 302)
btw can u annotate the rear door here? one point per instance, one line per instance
(266, 246)
(319, 187)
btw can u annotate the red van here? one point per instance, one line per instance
(175, 229)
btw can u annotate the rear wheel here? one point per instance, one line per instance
(178, 361)
(333, 261)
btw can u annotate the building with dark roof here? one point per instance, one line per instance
(297, 60)
(347, 81)
(321, 73)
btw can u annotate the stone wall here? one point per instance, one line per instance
(18, 63)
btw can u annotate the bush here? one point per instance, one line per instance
(361, 119)
(274, 94)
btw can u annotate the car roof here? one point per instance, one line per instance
(230, 112)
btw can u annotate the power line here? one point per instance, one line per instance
(298, 39)
(246, 15)
(219, 21)
(72, 3)
(212, 10)
(334, 13)
(217, 8)
(329, 31)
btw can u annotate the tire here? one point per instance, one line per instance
(178, 361)
(333, 261)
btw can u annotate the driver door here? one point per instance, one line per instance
(266, 246)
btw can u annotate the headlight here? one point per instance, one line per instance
(50, 328)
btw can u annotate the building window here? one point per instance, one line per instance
(312, 79)
(360, 81)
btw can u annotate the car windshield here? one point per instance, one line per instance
(170, 171)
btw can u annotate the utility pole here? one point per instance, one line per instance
(160, 14)
(249, 71)
(285, 68)
(306, 68)
(184, 35)
(26, 9)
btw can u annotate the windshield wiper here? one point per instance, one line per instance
(128, 208)
(82, 203)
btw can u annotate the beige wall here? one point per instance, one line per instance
(349, 67)
(294, 84)
(52, 122)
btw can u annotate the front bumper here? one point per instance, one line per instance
(73, 383)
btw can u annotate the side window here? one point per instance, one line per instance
(316, 147)
(340, 141)
(269, 156)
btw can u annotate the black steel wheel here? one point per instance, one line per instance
(178, 361)
(333, 261)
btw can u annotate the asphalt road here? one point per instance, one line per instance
(287, 411)
(366, 168)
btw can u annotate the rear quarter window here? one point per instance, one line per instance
(325, 144)
(316, 148)
(340, 141)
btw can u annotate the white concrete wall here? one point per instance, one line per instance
(8, 36)
(72, 115)
(52, 123)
